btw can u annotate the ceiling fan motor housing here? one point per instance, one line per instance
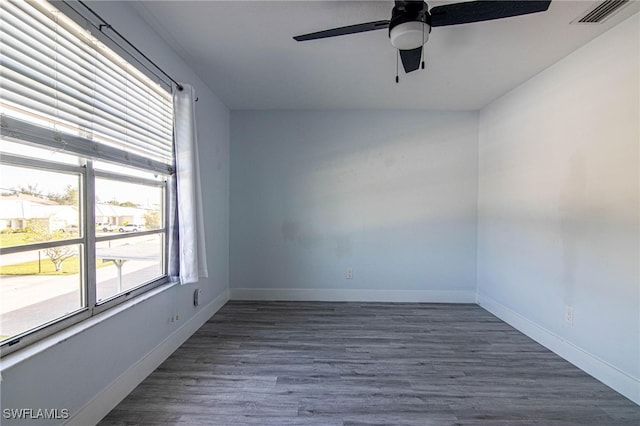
(410, 25)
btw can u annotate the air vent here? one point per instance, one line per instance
(601, 12)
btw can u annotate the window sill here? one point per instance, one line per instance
(48, 342)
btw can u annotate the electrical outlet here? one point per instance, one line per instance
(349, 273)
(568, 315)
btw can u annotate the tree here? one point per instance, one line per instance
(69, 197)
(30, 189)
(122, 204)
(58, 255)
(152, 220)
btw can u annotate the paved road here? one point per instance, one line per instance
(30, 256)
(28, 301)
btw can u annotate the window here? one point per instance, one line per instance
(85, 156)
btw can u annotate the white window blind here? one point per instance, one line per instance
(55, 74)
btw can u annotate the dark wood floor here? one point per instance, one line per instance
(292, 363)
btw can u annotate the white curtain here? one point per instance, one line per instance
(191, 240)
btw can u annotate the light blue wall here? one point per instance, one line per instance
(73, 372)
(558, 221)
(391, 194)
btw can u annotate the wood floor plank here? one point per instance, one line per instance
(317, 363)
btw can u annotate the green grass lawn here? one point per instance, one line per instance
(10, 240)
(45, 266)
(69, 266)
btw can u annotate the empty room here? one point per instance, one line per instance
(320, 212)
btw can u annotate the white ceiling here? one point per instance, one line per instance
(244, 51)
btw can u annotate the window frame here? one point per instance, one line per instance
(143, 287)
(32, 127)
(87, 240)
(48, 328)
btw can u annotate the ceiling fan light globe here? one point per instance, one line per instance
(409, 35)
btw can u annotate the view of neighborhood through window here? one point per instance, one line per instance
(136, 261)
(86, 150)
(127, 207)
(38, 205)
(123, 207)
(42, 207)
(34, 293)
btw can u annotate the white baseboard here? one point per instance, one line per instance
(341, 295)
(608, 374)
(98, 407)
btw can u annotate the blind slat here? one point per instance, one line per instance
(51, 68)
(82, 76)
(43, 12)
(73, 102)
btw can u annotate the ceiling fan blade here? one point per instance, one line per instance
(411, 59)
(351, 29)
(476, 11)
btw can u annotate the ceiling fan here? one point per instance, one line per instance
(411, 22)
